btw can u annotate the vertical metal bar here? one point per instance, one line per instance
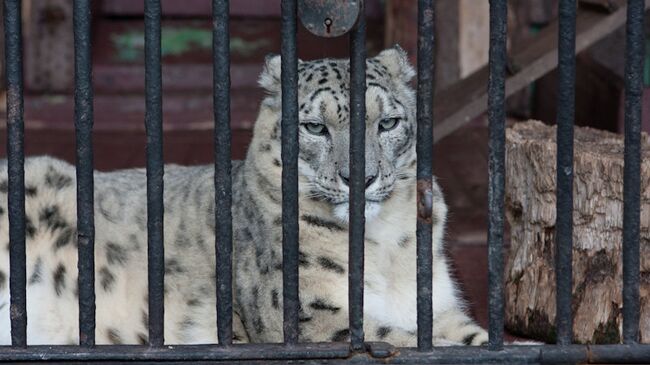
(426, 45)
(357, 177)
(289, 69)
(496, 172)
(634, 56)
(564, 207)
(16, 171)
(155, 171)
(83, 99)
(222, 167)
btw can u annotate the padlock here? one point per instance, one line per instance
(329, 18)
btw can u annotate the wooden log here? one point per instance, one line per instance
(597, 235)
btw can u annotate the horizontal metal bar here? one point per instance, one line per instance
(177, 353)
(332, 353)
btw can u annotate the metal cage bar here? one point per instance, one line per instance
(289, 70)
(357, 184)
(564, 207)
(16, 171)
(83, 97)
(328, 353)
(155, 171)
(222, 168)
(496, 169)
(426, 45)
(634, 56)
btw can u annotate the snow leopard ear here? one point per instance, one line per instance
(270, 77)
(396, 61)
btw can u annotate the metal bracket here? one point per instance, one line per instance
(329, 18)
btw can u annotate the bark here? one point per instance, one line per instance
(597, 234)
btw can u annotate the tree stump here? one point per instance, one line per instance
(597, 235)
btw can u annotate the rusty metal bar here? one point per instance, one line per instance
(222, 167)
(634, 56)
(16, 172)
(426, 46)
(496, 169)
(83, 97)
(289, 70)
(357, 183)
(564, 208)
(329, 353)
(155, 171)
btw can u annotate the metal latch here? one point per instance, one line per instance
(329, 18)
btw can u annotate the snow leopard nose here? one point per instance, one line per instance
(346, 179)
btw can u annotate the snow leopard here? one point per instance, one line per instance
(189, 229)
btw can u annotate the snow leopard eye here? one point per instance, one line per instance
(388, 124)
(316, 128)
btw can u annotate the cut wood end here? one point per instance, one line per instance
(586, 140)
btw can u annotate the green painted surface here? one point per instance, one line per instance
(646, 64)
(176, 41)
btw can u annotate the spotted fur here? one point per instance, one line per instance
(390, 269)
(120, 223)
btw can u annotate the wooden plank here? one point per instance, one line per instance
(462, 102)
(401, 28)
(3, 83)
(125, 111)
(607, 5)
(49, 49)
(203, 8)
(473, 39)
(266, 8)
(118, 149)
(176, 78)
(189, 41)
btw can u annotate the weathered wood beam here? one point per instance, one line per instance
(467, 99)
